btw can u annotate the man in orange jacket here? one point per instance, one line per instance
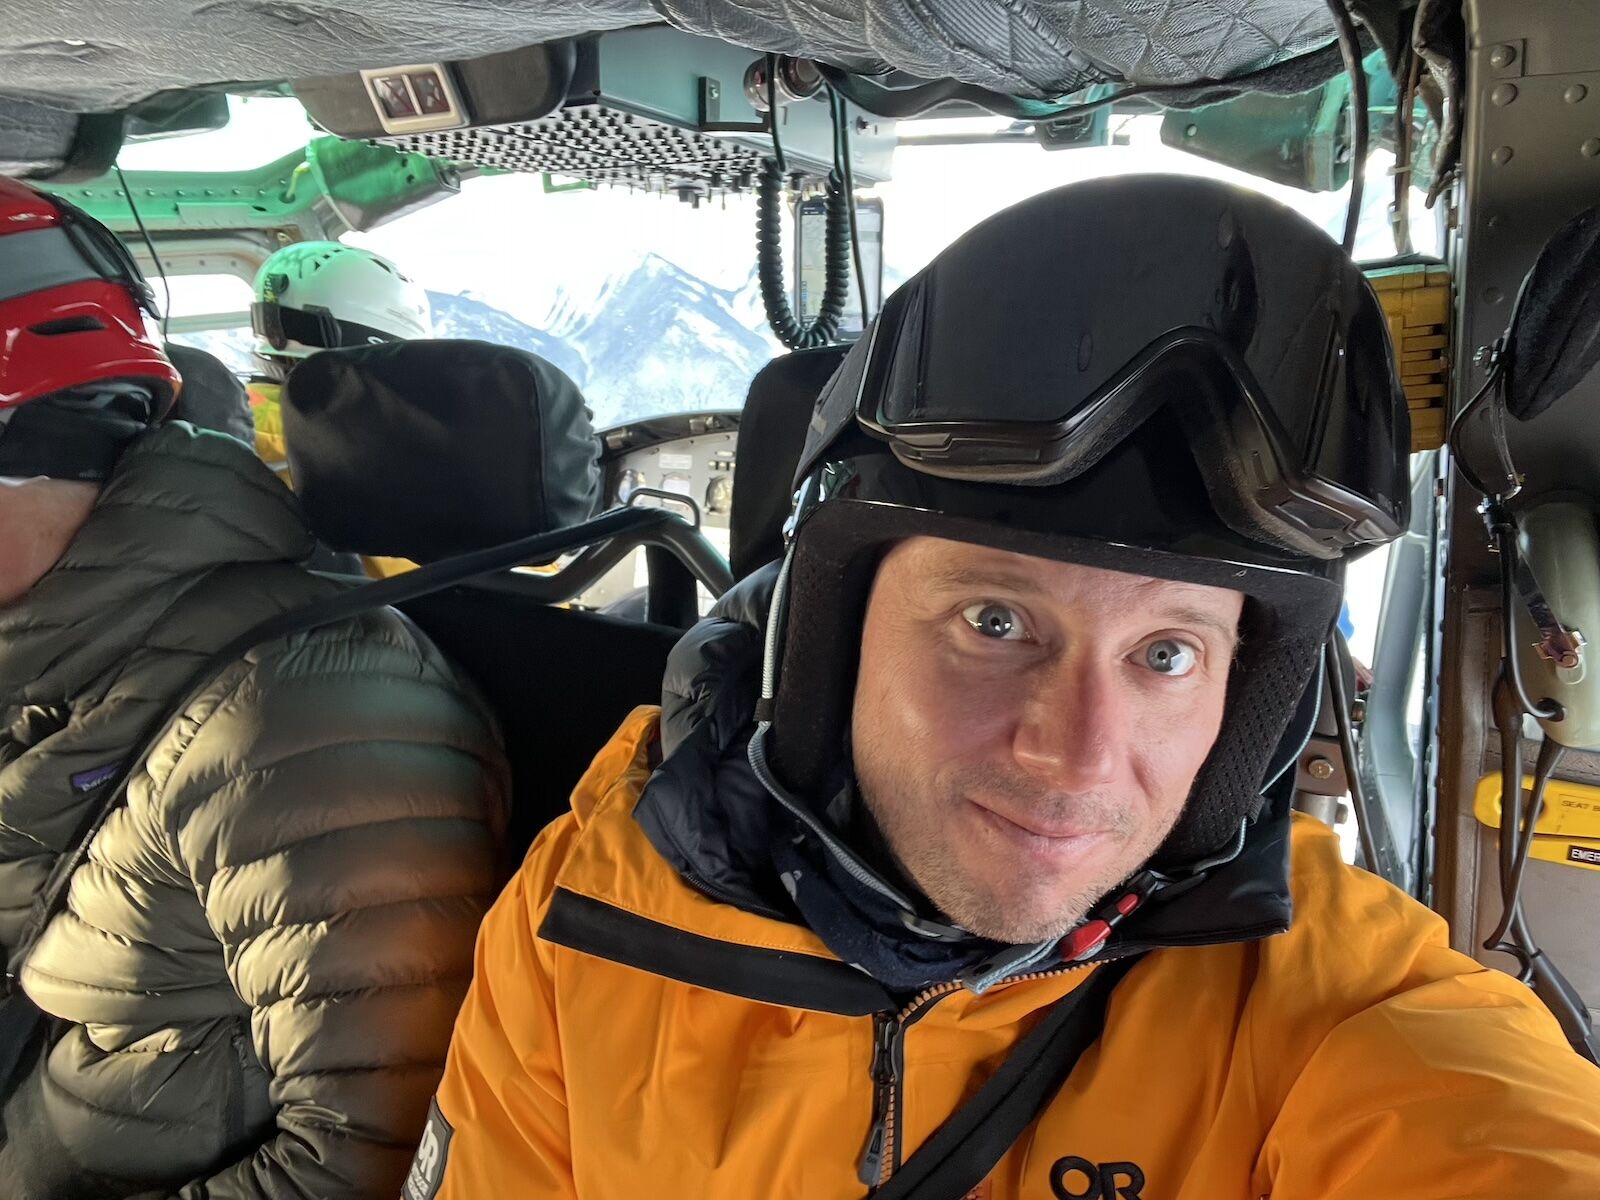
(968, 816)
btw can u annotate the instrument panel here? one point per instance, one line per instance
(682, 462)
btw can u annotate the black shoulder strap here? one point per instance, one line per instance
(963, 1150)
(52, 898)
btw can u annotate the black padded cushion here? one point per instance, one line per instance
(212, 397)
(772, 432)
(1555, 333)
(560, 679)
(428, 449)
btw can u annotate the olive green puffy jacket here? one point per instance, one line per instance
(262, 958)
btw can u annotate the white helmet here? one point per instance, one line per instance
(321, 295)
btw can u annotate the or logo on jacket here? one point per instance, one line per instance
(427, 1169)
(1074, 1178)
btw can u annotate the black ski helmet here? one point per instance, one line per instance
(1161, 375)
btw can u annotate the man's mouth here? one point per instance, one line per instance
(1034, 832)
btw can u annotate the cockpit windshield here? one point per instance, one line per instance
(653, 305)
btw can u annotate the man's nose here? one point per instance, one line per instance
(1072, 727)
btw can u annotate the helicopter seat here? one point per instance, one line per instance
(431, 449)
(772, 432)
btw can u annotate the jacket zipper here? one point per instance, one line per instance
(885, 1032)
(881, 1158)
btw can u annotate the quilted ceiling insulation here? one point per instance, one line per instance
(100, 55)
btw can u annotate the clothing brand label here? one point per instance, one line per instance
(87, 781)
(1075, 1178)
(427, 1169)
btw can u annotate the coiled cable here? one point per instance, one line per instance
(770, 269)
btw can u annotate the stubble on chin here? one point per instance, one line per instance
(997, 904)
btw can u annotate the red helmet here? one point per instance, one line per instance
(77, 328)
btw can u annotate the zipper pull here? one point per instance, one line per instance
(870, 1170)
(883, 1029)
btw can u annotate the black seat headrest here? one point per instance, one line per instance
(212, 397)
(428, 449)
(772, 433)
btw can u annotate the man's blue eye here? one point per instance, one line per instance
(1169, 657)
(995, 621)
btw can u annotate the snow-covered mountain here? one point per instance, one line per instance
(651, 340)
(467, 316)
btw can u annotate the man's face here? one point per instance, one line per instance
(38, 520)
(1026, 732)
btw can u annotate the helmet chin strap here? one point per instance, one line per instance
(805, 500)
(772, 650)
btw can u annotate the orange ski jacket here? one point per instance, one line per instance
(626, 1035)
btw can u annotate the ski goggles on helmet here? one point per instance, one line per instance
(279, 326)
(1235, 314)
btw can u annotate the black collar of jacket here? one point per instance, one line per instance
(710, 818)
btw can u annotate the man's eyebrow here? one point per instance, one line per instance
(1186, 615)
(972, 578)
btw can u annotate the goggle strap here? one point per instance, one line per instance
(279, 325)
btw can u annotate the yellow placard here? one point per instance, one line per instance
(1568, 830)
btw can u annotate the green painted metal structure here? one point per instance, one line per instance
(330, 188)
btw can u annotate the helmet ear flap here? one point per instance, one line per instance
(1302, 724)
